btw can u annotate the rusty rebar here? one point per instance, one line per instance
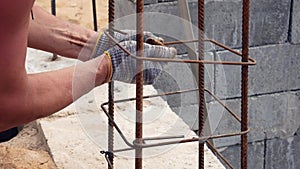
(180, 92)
(135, 145)
(107, 155)
(155, 59)
(53, 7)
(111, 18)
(216, 43)
(159, 95)
(139, 83)
(224, 105)
(218, 154)
(53, 12)
(201, 111)
(142, 145)
(138, 144)
(244, 84)
(95, 15)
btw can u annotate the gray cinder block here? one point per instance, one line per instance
(270, 116)
(283, 153)
(178, 76)
(295, 31)
(255, 155)
(223, 20)
(277, 70)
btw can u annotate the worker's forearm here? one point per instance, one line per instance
(52, 34)
(46, 93)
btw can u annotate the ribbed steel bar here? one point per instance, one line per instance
(95, 15)
(214, 149)
(111, 18)
(53, 7)
(224, 105)
(201, 111)
(139, 83)
(136, 145)
(180, 92)
(155, 59)
(244, 103)
(53, 11)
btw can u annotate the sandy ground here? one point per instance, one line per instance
(28, 149)
(79, 11)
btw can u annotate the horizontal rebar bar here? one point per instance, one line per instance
(180, 92)
(153, 59)
(134, 145)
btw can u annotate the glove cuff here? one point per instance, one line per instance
(110, 69)
(97, 46)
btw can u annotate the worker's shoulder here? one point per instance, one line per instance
(12, 9)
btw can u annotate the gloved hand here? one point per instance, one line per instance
(124, 66)
(103, 41)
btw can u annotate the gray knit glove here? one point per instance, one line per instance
(124, 66)
(103, 42)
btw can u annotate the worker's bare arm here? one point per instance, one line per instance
(25, 97)
(52, 34)
(45, 93)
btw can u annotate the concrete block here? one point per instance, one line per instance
(296, 150)
(277, 70)
(255, 155)
(160, 1)
(271, 154)
(147, 2)
(124, 8)
(283, 153)
(294, 68)
(225, 123)
(189, 114)
(269, 22)
(178, 76)
(295, 34)
(223, 20)
(270, 116)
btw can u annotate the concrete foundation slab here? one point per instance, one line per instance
(76, 134)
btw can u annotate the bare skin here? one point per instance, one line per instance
(49, 33)
(26, 97)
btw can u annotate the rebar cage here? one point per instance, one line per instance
(138, 144)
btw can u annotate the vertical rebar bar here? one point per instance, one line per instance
(139, 83)
(95, 15)
(53, 7)
(53, 11)
(111, 18)
(201, 79)
(244, 103)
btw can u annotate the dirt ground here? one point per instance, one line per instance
(28, 150)
(79, 11)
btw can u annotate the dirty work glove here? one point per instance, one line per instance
(124, 66)
(103, 41)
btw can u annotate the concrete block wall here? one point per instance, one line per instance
(269, 22)
(274, 83)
